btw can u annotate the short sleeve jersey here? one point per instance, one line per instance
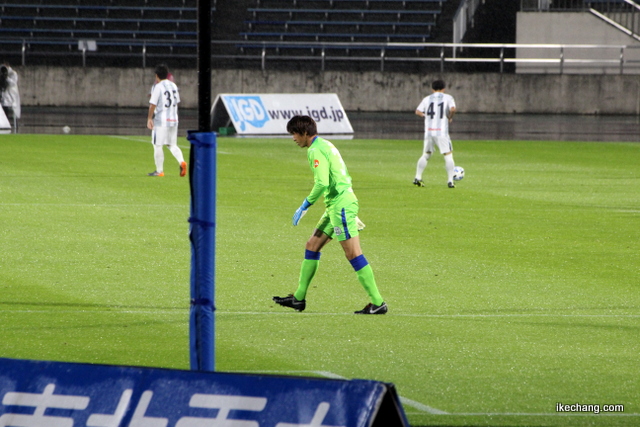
(436, 108)
(330, 175)
(165, 97)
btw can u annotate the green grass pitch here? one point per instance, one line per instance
(513, 292)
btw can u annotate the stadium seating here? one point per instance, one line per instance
(131, 28)
(357, 26)
(132, 32)
(342, 20)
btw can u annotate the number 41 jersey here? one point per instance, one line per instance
(436, 109)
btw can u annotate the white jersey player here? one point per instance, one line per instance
(9, 94)
(437, 110)
(163, 120)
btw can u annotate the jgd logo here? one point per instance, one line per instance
(247, 109)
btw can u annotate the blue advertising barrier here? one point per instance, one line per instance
(54, 394)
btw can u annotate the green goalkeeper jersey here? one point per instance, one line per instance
(330, 174)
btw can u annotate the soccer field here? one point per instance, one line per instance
(514, 292)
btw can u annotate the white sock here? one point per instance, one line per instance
(422, 165)
(177, 153)
(449, 165)
(158, 156)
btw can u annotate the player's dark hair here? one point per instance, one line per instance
(162, 71)
(303, 125)
(438, 85)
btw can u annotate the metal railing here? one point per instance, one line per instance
(443, 57)
(554, 58)
(76, 52)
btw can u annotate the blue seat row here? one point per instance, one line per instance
(367, 3)
(96, 33)
(103, 20)
(123, 27)
(322, 24)
(103, 43)
(391, 26)
(270, 36)
(77, 7)
(337, 12)
(342, 20)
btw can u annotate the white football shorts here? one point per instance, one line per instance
(442, 142)
(163, 135)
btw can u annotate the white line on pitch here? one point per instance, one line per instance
(408, 402)
(327, 374)
(434, 411)
(149, 142)
(516, 315)
(95, 205)
(421, 407)
(330, 375)
(270, 313)
(541, 414)
(131, 139)
(444, 316)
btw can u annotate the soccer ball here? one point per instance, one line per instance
(66, 129)
(458, 173)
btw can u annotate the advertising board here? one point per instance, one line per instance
(54, 394)
(268, 114)
(5, 126)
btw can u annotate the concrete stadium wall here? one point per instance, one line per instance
(358, 91)
(574, 28)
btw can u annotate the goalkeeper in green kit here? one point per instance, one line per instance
(339, 221)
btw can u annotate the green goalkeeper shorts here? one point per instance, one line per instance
(339, 222)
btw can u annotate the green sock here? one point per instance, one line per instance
(307, 271)
(368, 282)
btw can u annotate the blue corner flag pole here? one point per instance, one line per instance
(202, 230)
(202, 235)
